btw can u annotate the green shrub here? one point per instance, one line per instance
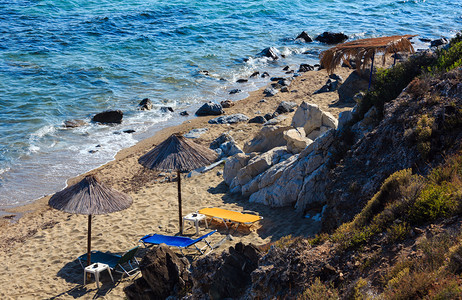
(409, 285)
(449, 59)
(397, 232)
(434, 202)
(319, 291)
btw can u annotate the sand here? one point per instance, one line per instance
(39, 246)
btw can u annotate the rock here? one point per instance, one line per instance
(304, 37)
(330, 86)
(351, 86)
(234, 91)
(317, 132)
(329, 120)
(309, 116)
(227, 103)
(166, 109)
(284, 89)
(269, 92)
(255, 74)
(145, 104)
(184, 113)
(296, 140)
(231, 119)
(109, 117)
(223, 138)
(331, 38)
(258, 120)
(259, 164)
(269, 116)
(336, 77)
(344, 118)
(286, 68)
(265, 74)
(285, 107)
(139, 290)
(242, 80)
(226, 276)
(74, 123)
(269, 137)
(305, 68)
(276, 120)
(195, 133)
(164, 272)
(233, 165)
(129, 131)
(228, 148)
(439, 42)
(210, 109)
(270, 52)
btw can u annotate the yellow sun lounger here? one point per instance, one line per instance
(229, 216)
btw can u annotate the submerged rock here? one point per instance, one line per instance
(331, 37)
(109, 117)
(304, 37)
(145, 104)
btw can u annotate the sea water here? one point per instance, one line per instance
(65, 60)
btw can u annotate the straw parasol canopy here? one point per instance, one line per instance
(90, 197)
(180, 154)
(363, 51)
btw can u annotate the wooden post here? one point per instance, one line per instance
(372, 68)
(180, 213)
(89, 246)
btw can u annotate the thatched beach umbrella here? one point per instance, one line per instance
(179, 154)
(90, 197)
(363, 51)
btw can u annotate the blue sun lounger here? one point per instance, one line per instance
(177, 241)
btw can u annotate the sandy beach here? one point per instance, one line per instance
(39, 246)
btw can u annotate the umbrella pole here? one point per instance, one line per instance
(180, 213)
(89, 246)
(372, 68)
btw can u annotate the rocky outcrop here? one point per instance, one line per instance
(296, 140)
(227, 276)
(351, 86)
(164, 274)
(210, 109)
(304, 37)
(269, 137)
(313, 120)
(109, 117)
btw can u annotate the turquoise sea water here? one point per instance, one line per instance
(63, 60)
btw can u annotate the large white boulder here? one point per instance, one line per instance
(233, 165)
(329, 120)
(296, 140)
(309, 116)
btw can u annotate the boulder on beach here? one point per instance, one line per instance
(231, 119)
(331, 37)
(227, 103)
(304, 37)
(109, 117)
(210, 109)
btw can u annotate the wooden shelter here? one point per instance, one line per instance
(363, 51)
(90, 197)
(179, 154)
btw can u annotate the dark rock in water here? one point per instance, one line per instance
(258, 120)
(109, 117)
(234, 91)
(74, 123)
(285, 107)
(242, 80)
(425, 40)
(166, 109)
(129, 131)
(226, 276)
(210, 109)
(227, 103)
(305, 68)
(269, 92)
(276, 78)
(184, 113)
(231, 119)
(145, 104)
(255, 74)
(92, 151)
(204, 72)
(290, 72)
(305, 37)
(286, 68)
(270, 52)
(439, 42)
(331, 37)
(265, 74)
(164, 274)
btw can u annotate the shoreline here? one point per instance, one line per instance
(42, 242)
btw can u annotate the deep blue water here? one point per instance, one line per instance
(63, 60)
